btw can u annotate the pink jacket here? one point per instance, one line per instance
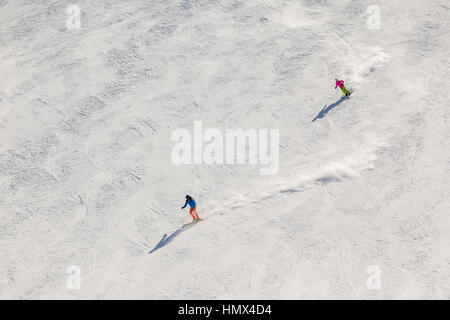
(339, 83)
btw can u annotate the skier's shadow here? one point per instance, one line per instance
(167, 239)
(326, 109)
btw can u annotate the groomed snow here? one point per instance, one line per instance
(86, 176)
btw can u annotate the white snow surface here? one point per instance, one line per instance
(86, 177)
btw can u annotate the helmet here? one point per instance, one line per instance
(187, 196)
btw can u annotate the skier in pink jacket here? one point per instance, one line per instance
(340, 84)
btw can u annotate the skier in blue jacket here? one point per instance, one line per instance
(193, 207)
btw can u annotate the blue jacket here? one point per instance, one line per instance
(190, 202)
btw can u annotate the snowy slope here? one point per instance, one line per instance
(86, 118)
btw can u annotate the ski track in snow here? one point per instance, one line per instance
(86, 178)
